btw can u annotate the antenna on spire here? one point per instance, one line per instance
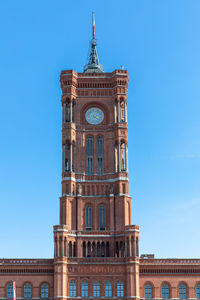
(93, 26)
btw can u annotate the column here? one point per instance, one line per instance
(130, 247)
(126, 157)
(74, 112)
(71, 157)
(125, 107)
(126, 248)
(118, 111)
(58, 254)
(67, 248)
(62, 241)
(54, 247)
(135, 252)
(63, 158)
(119, 157)
(64, 112)
(71, 111)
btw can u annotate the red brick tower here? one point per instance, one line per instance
(96, 247)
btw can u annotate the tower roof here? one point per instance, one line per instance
(93, 65)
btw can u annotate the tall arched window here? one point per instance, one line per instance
(108, 289)
(165, 291)
(182, 291)
(88, 217)
(198, 291)
(148, 291)
(27, 291)
(96, 289)
(120, 289)
(90, 155)
(84, 289)
(102, 217)
(44, 290)
(99, 155)
(72, 289)
(9, 291)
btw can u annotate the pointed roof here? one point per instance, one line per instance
(93, 65)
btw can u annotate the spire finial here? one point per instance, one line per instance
(93, 65)
(93, 26)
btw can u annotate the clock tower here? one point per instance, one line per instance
(95, 246)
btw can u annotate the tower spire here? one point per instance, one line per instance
(93, 65)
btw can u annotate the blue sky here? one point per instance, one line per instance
(158, 42)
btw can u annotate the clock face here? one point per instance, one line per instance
(94, 115)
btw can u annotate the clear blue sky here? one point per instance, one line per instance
(158, 42)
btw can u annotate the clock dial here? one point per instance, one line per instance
(94, 115)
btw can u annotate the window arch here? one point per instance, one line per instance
(99, 155)
(120, 289)
(72, 289)
(44, 290)
(90, 155)
(9, 291)
(88, 217)
(108, 289)
(182, 291)
(148, 291)
(84, 289)
(198, 291)
(27, 291)
(165, 291)
(96, 289)
(102, 217)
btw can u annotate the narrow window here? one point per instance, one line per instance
(99, 155)
(120, 289)
(27, 291)
(108, 289)
(148, 291)
(182, 291)
(44, 290)
(72, 289)
(88, 217)
(90, 155)
(84, 289)
(165, 291)
(10, 290)
(96, 289)
(102, 217)
(198, 291)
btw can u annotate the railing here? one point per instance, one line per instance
(25, 261)
(170, 261)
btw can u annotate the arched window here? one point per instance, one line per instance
(165, 291)
(27, 291)
(90, 155)
(96, 289)
(108, 289)
(120, 289)
(88, 217)
(9, 291)
(99, 155)
(84, 289)
(182, 291)
(198, 291)
(102, 217)
(72, 289)
(44, 290)
(148, 291)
